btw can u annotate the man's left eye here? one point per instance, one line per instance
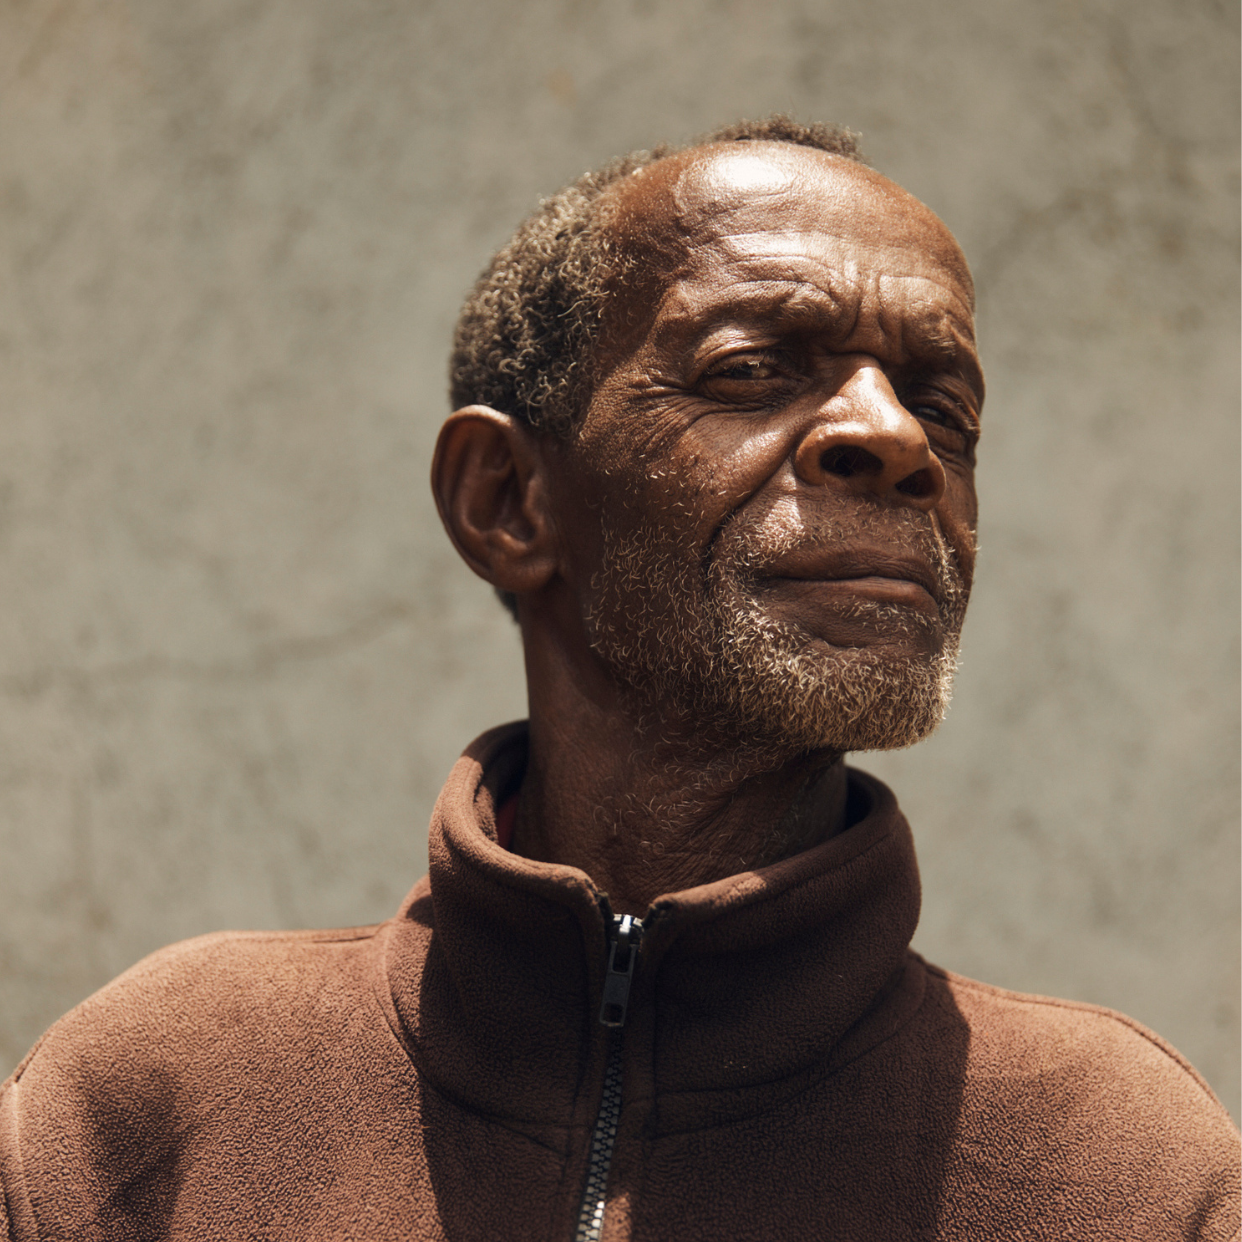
(950, 426)
(944, 413)
(932, 413)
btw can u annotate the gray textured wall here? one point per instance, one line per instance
(237, 656)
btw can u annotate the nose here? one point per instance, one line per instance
(865, 438)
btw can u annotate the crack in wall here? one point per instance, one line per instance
(265, 661)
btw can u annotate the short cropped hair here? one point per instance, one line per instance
(526, 335)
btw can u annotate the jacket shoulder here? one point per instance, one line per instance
(1102, 1107)
(224, 981)
(1044, 1032)
(195, 1037)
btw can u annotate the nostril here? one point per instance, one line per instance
(920, 484)
(847, 460)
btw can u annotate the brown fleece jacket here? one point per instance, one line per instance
(791, 1070)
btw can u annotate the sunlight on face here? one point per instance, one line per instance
(752, 173)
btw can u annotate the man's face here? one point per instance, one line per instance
(768, 514)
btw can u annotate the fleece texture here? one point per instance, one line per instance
(791, 1070)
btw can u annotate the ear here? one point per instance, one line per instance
(488, 478)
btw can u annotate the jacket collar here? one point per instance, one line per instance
(495, 965)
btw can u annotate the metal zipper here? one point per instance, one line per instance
(622, 956)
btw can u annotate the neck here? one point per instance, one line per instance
(647, 806)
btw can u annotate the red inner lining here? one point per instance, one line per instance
(506, 818)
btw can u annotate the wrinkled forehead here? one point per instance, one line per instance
(717, 202)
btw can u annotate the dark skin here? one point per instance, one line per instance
(803, 349)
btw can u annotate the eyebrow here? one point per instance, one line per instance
(931, 340)
(748, 302)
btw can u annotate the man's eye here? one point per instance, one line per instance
(745, 368)
(942, 413)
(950, 427)
(932, 413)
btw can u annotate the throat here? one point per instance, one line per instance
(643, 826)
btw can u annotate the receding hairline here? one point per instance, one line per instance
(680, 162)
(641, 227)
(528, 330)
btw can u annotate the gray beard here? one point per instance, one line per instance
(688, 638)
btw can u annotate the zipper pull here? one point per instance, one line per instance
(622, 956)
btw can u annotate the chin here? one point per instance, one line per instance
(867, 675)
(831, 698)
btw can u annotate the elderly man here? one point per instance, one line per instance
(716, 444)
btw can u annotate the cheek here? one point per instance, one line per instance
(958, 513)
(653, 464)
(623, 461)
(733, 460)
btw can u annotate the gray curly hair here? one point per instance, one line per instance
(526, 335)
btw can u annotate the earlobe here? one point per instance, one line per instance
(487, 477)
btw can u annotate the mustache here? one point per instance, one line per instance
(750, 545)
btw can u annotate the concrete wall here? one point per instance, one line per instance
(237, 656)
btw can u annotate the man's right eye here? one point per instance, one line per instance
(746, 367)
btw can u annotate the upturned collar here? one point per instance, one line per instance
(744, 988)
